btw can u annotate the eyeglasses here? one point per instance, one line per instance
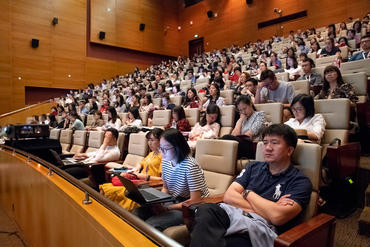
(300, 109)
(165, 150)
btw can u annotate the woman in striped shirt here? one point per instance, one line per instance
(182, 178)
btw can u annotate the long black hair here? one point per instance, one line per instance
(177, 140)
(211, 109)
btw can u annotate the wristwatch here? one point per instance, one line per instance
(245, 194)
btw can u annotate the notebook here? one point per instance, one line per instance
(144, 195)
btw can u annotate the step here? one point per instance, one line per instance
(367, 196)
(364, 222)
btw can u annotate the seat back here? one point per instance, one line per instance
(192, 115)
(121, 143)
(200, 86)
(359, 84)
(202, 81)
(89, 119)
(273, 112)
(123, 117)
(319, 70)
(227, 119)
(177, 100)
(356, 66)
(105, 118)
(325, 61)
(307, 158)
(217, 158)
(65, 139)
(54, 134)
(301, 86)
(79, 141)
(185, 85)
(228, 95)
(95, 140)
(144, 118)
(137, 149)
(161, 118)
(284, 76)
(157, 101)
(336, 113)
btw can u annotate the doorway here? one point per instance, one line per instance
(196, 46)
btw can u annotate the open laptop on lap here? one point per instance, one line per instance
(144, 195)
(65, 162)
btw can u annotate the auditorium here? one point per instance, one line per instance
(195, 123)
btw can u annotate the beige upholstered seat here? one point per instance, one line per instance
(217, 159)
(200, 86)
(90, 119)
(157, 101)
(336, 113)
(95, 141)
(284, 76)
(306, 157)
(301, 86)
(185, 85)
(137, 150)
(325, 61)
(228, 95)
(312, 55)
(144, 118)
(65, 139)
(79, 141)
(83, 118)
(105, 118)
(123, 117)
(356, 66)
(54, 134)
(192, 115)
(319, 70)
(202, 81)
(359, 84)
(161, 118)
(227, 119)
(121, 143)
(273, 112)
(177, 100)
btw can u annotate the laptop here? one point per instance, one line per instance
(65, 162)
(144, 195)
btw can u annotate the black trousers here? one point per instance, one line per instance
(245, 146)
(211, 223)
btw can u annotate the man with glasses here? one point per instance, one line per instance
(313, 78)
(365, 46)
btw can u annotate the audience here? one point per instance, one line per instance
(133, 118)
(113, 119)
(213, 97)
(191, 99)
(313, 78)
(76, 123)
(179, 120)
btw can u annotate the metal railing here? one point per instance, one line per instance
(150, 232)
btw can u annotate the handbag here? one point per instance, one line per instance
(130, 176)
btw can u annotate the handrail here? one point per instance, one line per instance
(25, 108)
(153, 234)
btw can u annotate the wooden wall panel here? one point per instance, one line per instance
(121, 24)
(237, 21)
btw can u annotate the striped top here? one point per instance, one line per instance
(183, 178)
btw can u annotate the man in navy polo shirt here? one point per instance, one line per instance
(263, 201)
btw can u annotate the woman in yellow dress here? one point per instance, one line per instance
(149, 169)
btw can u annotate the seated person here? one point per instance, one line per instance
(208, 127)
(213, 97)
(76, 123)
(244, 77)
(135, 101)
(113, 119)
(313, 78)
(182, 178)
(179, 120)
(98, 121)
(107, 152)
(120, 104)
(330, 49)
(133, 118)
(266, 198)
(147, 104)
(250, 124)
(250, 88)
(148, 169)
(274, 61)
(335, 87)
(365, 46)
(303, 108)
(191, 99)
(104, 107)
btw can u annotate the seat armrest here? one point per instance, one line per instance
(189, 206)
(317, 231)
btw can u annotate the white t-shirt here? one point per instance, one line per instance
(111, 153)
(315, 124)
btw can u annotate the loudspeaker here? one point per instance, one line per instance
(142, 27)
(101, 35)
(249, 1)
(54, 21)
(35, 43)
(210, 13)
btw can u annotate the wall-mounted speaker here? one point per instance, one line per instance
(35, 43)
(210, 13)
(249, 1)
(54, 21)
(101, 35)
(142, 27)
